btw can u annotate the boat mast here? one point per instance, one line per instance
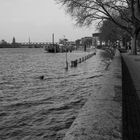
(65, 44)
(53, 38)
(29, 41)
(53, 43)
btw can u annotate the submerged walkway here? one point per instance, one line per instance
(101, 116)
(131, 96)
(113, 113)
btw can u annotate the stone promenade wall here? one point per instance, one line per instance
(101, 116)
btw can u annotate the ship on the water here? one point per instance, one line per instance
(56, 48)
(62, 46)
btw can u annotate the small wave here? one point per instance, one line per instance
(4, 82)
(27, 104)
(49, 101)
(75, 104)
(95, 76)
(2, 114)
(74, 74)
(65, 125)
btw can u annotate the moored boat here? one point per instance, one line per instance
(55, 48)
(52, 48)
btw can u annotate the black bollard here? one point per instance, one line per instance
(72, 63)
(79, 60)
(75, 63)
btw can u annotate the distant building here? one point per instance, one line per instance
(15, 44)
(86, 42)
(78, 43)
(4, 44)
(95, 39)
(14, 40)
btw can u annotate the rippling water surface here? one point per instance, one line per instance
(34, 109)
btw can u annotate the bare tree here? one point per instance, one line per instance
(86, 12)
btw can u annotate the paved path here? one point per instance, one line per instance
(131, 96)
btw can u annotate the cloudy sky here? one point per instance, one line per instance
(37, 19)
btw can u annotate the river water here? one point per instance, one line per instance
(35, 109)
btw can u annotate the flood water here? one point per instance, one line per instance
(35, 109)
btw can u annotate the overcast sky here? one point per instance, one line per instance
(37, 19)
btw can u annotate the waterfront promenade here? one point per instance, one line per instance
(115, 112)
(101, 116)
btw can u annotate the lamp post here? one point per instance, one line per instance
(65, 43)
(66, 61)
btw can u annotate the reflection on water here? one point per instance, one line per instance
(34, 109)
